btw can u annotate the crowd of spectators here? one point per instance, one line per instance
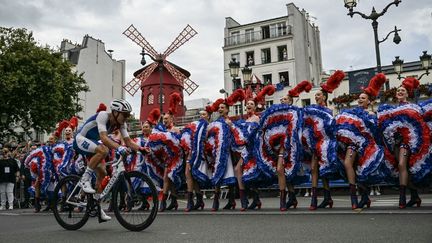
(15, 178)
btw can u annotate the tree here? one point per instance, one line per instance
(37, 86)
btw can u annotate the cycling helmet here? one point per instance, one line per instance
(120, 106)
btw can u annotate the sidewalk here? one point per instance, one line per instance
(386, 204)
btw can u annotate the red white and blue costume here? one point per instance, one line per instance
(166, 152)
(200, 168)
(403, 125)
(245, 137)
(319, 138)
(37, 162)
(280, 125)
(359, 129)
(218, 153)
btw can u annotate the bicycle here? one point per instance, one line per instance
(130, 190)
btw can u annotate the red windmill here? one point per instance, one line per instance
(173, 77)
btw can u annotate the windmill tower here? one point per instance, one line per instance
(160, 78)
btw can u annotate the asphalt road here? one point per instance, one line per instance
(382, 223)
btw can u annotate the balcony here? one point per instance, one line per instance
(256, 36)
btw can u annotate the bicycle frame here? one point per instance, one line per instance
(119, 169)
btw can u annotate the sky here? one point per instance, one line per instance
(346, 43)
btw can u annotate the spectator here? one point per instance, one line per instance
(375, 190)
(9, 173)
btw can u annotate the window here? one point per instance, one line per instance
(267, 79)
(249, 35)
(237, 109)
(278, 29)
(265, 56)
(268, 103)
(265, 31)
(236, 83)
(236, 56)
(306, 102)
(150, 99)
(250, 58)
(235, 37)
(282, 53)
(163, 99)
(284, 78)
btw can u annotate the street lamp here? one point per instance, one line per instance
(426, 63)
(234, 72)
(425, 60)
(234, 67)
(223, 91)
(159, 60)
(351, 4)
(247, 74)
(398, 66)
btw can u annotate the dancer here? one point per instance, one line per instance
(319, 136)
(282, 164)
(245, 132)
(218, 147)
(407, 142)
(173, 164)
(192, 143)
(360, 151)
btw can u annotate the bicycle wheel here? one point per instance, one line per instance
(70, 203)
(135, 201)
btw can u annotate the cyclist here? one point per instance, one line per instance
(92, 139)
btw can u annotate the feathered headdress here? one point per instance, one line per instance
(267, 90)
(209, 109)
(236, 96)
(301, 87)
(333, 82)
(215, 106)
(410, 84)
(102, 107)
(375, 85)
(154, 116)
(72, 123)
(174, 100)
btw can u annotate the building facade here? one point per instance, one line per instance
(104, 75)
(283, 50)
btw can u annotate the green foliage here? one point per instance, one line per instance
(37, 86)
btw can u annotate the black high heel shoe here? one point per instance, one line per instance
(200, 202)
(163, 204)
(354, 202)
(292, 200)
(243, 200)
(230, 205)
(256, 202)
(327, 200)
(402, 197)
(314, 203)
(215, 206)
(145, 205)
(365, 201)
(173, 204)
(415, 199)
(190, 203)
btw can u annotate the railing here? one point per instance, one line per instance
(257, 36)
(184, 120)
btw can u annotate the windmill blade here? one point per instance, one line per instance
(188, 85)
(132, 33)
(135, 84)
(187, 33)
